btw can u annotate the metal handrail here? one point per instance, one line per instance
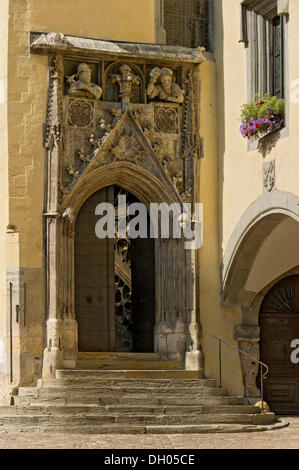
(263, 375)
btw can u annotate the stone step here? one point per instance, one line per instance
(110, 356)
(125, 391)
(129, 410)
(126, 365)
(140, 401)
(108, 382)
(129, 374)
(138, 392)
(142, 429)
(97, 419)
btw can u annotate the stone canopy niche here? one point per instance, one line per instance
(127, 115)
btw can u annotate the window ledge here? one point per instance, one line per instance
(254, 144)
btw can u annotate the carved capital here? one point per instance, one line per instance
(282, 7)
(69, 215)
(247, 333)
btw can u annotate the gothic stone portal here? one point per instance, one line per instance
(114, 284)
(133, 126)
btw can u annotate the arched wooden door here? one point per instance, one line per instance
(279, 323)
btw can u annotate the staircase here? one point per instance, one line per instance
(129, 393)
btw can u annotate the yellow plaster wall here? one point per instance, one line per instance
(213, 318)
(267, 267)
(27, 93)
(117, 20)
(22, 175)
(240, 174)
(27, 96)
(231, 176)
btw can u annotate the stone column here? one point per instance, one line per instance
(53, 353)
(170, 329)
(194, 359)
(248, 342)
(70, 326)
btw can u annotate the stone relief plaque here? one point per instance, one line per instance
(81, 113)
(166, 119)
(269, 175)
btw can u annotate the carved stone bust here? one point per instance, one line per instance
(81, 85)
(125, 80)
(163, 86)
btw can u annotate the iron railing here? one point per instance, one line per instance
(263, 374)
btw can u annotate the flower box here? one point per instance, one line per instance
(262, 116)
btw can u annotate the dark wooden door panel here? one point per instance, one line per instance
(94, 282)
(143, 289)
(112, 279)
(279, 322)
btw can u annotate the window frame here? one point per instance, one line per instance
(254, 28)
(207, 22)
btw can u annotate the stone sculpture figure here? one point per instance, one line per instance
(162, 85)
(81, 85)
(126, 79)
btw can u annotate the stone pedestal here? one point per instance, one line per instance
(70, 343)
(53, 353)
(170, 342)
(248, 343)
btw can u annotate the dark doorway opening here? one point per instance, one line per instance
(114, 282)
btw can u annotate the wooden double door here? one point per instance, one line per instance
(114, 283)
(279, 323)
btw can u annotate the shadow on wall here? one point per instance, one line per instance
(218, 53)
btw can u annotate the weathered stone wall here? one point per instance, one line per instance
(23, 107)
(3, 193)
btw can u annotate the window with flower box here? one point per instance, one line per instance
(264, 34)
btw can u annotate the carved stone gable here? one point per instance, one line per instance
(125, 142)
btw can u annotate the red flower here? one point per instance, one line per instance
(257, 126)
(251, 134)
(261, 102)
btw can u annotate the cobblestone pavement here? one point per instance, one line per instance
(287, 438)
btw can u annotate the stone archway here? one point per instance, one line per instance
(176, 334)
(253, 229)
(175, 279)
(150, 148)
(114, 282)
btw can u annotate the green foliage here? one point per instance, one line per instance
(256, 108)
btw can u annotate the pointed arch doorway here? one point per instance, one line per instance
(114, 283)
